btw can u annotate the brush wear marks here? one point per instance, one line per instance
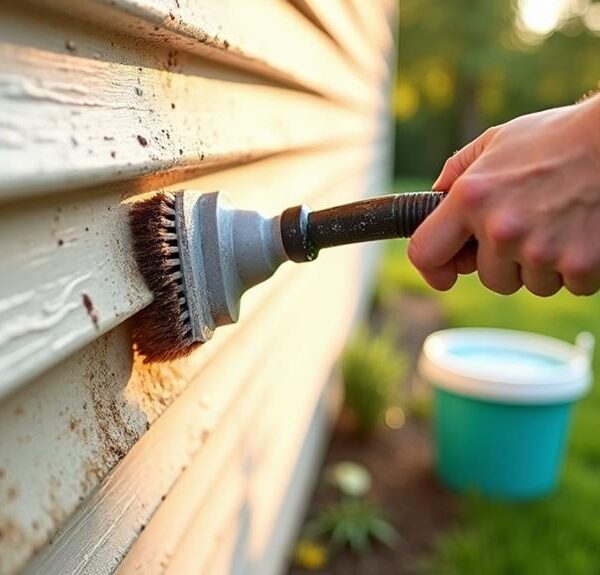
(162, 331)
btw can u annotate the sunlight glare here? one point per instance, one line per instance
(541, 17)
(592, 18)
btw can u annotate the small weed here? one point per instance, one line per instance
(353, 523)
(372, 369)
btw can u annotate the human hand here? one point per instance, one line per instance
(529, 192)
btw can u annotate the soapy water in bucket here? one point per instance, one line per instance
(522, 362)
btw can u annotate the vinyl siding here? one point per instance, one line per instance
(201, 465)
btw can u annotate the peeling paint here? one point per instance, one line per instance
(61, 300)
(24, 325)
(52, 313)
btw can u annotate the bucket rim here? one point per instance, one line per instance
(445, 370)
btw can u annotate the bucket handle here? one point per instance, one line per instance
(586, 342)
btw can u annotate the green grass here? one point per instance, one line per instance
(556, 536)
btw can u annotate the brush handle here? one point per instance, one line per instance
(305, 232)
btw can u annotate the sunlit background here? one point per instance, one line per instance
(465, 65)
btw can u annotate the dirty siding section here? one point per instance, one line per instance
(109, 465)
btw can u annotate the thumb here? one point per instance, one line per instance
(457, 164)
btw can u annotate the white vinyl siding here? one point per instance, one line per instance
(201, 465)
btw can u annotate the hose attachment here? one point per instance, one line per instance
(305, 232)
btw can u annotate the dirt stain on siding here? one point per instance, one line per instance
(89, 307)
(118, 422)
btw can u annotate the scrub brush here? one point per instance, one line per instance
(198, 254)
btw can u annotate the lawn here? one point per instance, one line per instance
(556, 536)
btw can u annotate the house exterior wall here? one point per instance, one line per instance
(201, 465)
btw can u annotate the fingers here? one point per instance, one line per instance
(538, 258)
(579, 260)
(501, 275)
(580, 272)
(466, 259)
(441, 237)
(541, 282)
(442, 278)
(456, 165)
(438, 239)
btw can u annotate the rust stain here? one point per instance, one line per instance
(11, 533)
(106, 384)
(89, 306)
(53, 508)
(172, 59)
(75, 424)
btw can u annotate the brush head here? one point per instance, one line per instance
(162, 331)
(198, 255)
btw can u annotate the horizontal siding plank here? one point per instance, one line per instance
(376, 19)
(127, 498)
(268, 452)
(336, 18)
(103, 403)
(275, 446)
(201, 484)
(249, 35)
(71, 122)
(292, 508)
(86, 433)
(77, 246)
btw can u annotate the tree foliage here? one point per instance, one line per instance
(465, 65)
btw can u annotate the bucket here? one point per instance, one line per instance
(503, 401)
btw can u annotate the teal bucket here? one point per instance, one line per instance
(503, 401)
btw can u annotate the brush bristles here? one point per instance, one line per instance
(162, 331)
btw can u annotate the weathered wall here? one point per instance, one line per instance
(201, 465)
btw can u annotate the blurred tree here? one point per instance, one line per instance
(468, 64)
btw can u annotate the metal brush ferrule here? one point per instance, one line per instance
(223, 251)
